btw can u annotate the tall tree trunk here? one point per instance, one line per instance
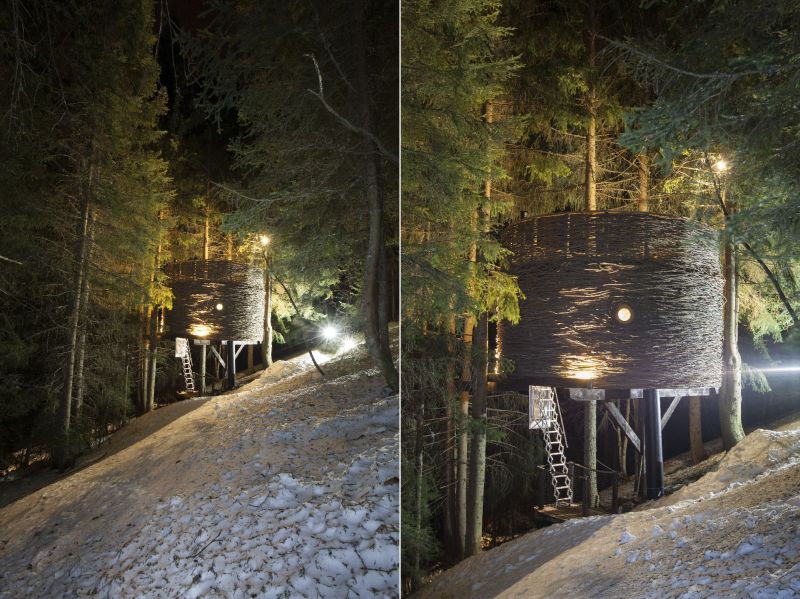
(266, 345)
(590, 407)
(62, 450)
(696, 430)
(377, 341)
(643, 162)
(477, 456)
(730, 396)
(418, 482)
(206, 235)
(84, 319)
(477, 463)
(153, 331)
(463, 436)
(591, 158)
(230, 247)
(153, 359)
(450, 526)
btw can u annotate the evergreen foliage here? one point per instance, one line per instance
(289, 76)
(80, 113)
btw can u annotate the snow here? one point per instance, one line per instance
(286, 488)
(733, 533)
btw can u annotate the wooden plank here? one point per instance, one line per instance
(668, 414)
(699, 391)
(623, 424)
(239, 349)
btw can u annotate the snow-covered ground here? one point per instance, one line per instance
(733, 533)
(287, 488)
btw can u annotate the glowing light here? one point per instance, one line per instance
(263, 240)
(624, 314)
(219, 306)
(199, 330)
(721, 166)
(348, 343)
(329, 332)
(781, 369)
(585, 375)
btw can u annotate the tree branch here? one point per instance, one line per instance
(320, 95)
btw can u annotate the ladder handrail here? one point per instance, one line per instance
(560, 421)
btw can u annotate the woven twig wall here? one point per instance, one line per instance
(216, 300)
(623, 300)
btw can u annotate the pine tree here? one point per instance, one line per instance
(717, 61)
(316, 162)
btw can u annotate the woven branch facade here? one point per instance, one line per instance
(216, 300)
(621, 300)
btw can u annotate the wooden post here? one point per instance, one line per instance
(541, 486)
(250, 357)
(587, 493)
(654, 459)
(696, 430)
(203, 369)
(230, 366)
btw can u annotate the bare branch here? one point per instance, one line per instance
(320, 95)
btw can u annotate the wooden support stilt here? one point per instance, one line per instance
(654, 458)
(203, 369)
(230, 370)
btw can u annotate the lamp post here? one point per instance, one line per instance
(266, 345)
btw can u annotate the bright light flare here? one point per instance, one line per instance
(781, 369)
(721, 166)
(264, 240)
(348, 343)
(329, 332)
(219, 306)
(199, 330)
(585, 375)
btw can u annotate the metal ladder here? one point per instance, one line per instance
(185, 354)
(548, 419)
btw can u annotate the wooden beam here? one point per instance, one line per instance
(239, 349)
(675, 401)
(580, 394)
(623, 425)
(217, 356)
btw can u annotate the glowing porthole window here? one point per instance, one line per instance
(623, 313)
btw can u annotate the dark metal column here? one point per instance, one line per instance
(230, 370)
(654, 458)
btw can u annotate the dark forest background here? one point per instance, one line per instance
(513, 109)
(137, 133)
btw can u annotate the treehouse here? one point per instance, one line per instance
(214, 302)
(627, 304)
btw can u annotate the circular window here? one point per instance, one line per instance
(623, 313)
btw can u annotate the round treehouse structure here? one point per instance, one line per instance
(623, 302)
(214, 301)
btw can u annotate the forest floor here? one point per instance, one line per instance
(732, 532)
(288, 486)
